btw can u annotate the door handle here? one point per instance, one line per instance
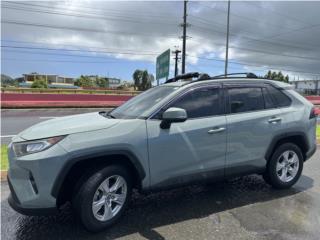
(216, 130)
(274, 120)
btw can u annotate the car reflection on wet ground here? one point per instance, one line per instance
(242, 208)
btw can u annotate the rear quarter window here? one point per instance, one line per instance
(280, 98)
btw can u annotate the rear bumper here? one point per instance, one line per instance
(311, 151)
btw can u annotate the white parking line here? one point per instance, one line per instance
(7, 136)
(47, 117)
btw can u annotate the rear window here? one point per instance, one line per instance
(245, 99)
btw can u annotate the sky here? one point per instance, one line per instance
(114, 38)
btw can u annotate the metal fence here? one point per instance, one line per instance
(313, 92)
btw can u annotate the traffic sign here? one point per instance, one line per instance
(162, 65)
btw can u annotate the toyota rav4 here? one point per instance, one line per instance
(178, 133)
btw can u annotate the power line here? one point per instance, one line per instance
(156, 53)
(99, 17)
(256, 40)
(252, 20)
(82, 29)
(254, 65)
(99, 10)
(277, 13)
(58, 61)
(78, 46)
(77, 50)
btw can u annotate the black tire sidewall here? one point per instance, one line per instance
(272, 173)
(83, 198)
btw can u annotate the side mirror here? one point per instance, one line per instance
(172, 115)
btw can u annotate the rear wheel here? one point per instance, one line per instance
(285, 166)
(102, 198)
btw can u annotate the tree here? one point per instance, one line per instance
(8, 81)
(39, 82)
(84, 81)
(102, 82)
(142, 80)
(278, 76)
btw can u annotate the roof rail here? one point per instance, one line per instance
(183, 76)
(204, 76)
(247, 74)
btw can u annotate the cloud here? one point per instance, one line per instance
(270, 35)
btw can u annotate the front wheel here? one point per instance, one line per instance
(102, 198)
(285, 166)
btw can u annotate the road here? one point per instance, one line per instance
(14, 121)
(243, 208)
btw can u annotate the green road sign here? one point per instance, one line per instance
(163, 63)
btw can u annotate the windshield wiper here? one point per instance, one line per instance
(109, 114)
(106, 114)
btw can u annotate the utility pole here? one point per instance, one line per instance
(227, 41)
(184, 37)
(176, 58)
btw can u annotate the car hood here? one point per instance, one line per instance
(67, 125)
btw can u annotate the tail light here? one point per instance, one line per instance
(314, 113)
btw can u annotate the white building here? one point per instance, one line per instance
(307, 86)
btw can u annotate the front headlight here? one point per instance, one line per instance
(28, 147)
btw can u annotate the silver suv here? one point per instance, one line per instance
(173, 134)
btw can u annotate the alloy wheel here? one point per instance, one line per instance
(109, 198)
(287, 166)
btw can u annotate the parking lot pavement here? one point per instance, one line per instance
(243, 208)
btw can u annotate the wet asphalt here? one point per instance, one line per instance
(242, 208)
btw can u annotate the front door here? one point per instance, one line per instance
(191, 150)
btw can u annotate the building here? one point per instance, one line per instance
(112, 82)
(307, 86)
(53, 80)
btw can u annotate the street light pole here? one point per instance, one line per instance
(184, 36)
(227, 41)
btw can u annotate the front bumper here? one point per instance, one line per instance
(31, 180)
(16, 205)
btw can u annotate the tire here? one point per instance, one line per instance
(99, 187)
(285, 166)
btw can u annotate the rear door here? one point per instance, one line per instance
(252, 121)
(190, 150)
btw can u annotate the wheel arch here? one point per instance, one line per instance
(74, 169)
(298, 138)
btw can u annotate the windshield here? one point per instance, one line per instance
(136, 106)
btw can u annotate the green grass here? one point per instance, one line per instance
(4, 157)
(318, 132)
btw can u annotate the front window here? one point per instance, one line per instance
(139, 105)
(203, 102)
